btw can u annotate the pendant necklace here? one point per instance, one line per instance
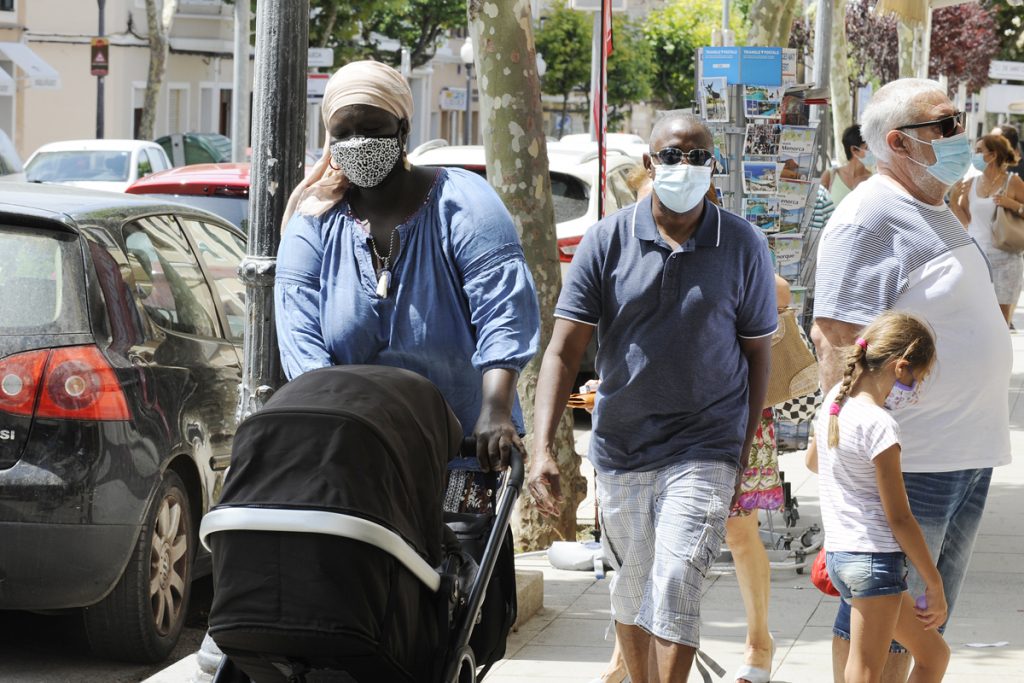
(384, 279)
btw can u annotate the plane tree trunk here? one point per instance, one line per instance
(517, 168)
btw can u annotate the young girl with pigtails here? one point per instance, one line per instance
(870, 532)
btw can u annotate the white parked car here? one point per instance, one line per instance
(110, 165)
(10, 163)
(633, 145)
(573, 171)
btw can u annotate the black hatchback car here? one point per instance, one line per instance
(120, 358)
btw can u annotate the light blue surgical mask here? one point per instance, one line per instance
(869, 160)
(952, 158)
(681, 187)
(978, 161)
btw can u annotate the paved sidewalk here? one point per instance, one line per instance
(565, 641)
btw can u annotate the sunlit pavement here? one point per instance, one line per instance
(566, 640)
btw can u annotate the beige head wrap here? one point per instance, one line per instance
(367, 82)
(364, 82)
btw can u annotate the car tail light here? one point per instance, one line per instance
(20, 377)
(567, 247)
(79, 384)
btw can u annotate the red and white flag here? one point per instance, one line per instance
(601, 104)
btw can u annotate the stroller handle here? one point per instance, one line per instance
(516, 467)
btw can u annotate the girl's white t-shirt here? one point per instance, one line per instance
(851, 507)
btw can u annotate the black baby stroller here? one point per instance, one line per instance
(331, 560)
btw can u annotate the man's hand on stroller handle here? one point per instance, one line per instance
(544, 483)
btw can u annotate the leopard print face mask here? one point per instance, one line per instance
(366, 161)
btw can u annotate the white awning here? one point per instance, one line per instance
(7, 85)
(39, 73)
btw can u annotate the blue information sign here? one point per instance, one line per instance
(721, 61)
(761, 65)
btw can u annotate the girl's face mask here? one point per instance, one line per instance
(902, 395)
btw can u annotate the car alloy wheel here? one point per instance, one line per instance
(169, 559)
(142, 617)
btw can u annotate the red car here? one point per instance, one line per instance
(222, 189)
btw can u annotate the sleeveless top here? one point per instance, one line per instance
(983, 211)
(838, 188)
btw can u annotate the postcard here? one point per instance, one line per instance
(762, 101)
(762, 140)
(788, 67)
(714, 99)
(762, 212)
(787, 248)
(797, 299)
(760, 177)
(721, 152)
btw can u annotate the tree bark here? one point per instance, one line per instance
(906, 36)
(159, 21)
(517, 168)
(842, 102)
(329, 22)
(770, 22)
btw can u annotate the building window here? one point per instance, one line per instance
(6, 5)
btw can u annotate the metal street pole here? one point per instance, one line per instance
(469, 104)
(240, 87)
(99, 79)
(282, 39)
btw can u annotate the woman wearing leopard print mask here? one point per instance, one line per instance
(386, 263)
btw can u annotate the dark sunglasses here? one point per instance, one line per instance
(947, 124)
(670, 156)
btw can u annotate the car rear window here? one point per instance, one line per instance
(571, 197)
(56, 167)
(232, 209)
(40, 282)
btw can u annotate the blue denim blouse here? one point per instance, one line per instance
(461, 301)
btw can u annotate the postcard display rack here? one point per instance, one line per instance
(766, 148)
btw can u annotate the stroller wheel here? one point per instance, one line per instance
(467, 667)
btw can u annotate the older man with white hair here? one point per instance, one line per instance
(894, 244)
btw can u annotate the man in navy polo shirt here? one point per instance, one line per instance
(682, 295)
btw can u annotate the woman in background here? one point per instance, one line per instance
(975, 202)
(842, 180)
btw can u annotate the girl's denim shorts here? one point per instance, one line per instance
(867, 575)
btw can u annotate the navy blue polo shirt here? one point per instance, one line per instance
(669, 323)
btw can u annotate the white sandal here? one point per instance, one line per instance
(752, 674)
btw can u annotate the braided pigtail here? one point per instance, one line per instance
(854, 356)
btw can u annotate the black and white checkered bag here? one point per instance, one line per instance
(799, 409)
(802, 408)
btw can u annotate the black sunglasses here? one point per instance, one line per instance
(670, 156)
(947, 124)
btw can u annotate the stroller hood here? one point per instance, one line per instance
(364, 440)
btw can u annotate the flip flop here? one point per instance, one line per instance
(752, 674)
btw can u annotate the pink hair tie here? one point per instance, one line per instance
(862, 343)
(833, 409)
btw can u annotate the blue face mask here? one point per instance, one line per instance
(952, 158)
(978, 161)
(869, 160)
(682, 186)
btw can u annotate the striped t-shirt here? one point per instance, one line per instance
(883, 249)
(851, 507)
